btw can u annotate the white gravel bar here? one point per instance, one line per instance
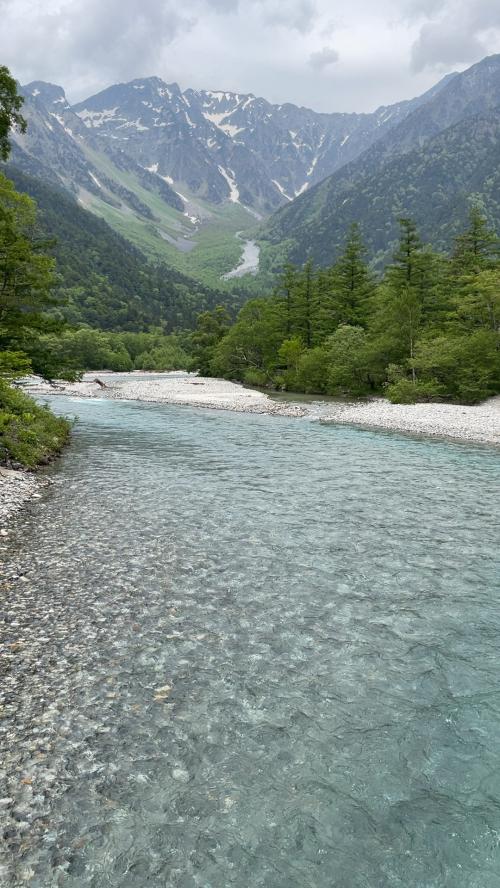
(479, 424)
(172, 388)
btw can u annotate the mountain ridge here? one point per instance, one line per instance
(314, 225)
(181, 172)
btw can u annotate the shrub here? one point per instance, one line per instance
(29, 434)
(255, 377)
(405, 391)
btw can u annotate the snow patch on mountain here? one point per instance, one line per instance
(234, 194)
(97, 118)
(62, 123)
(281, 189)
(302, 188)
(133, 124)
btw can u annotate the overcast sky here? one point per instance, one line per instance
(345, 56)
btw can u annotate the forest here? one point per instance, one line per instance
(427, 329)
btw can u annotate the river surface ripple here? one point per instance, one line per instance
(248, 651)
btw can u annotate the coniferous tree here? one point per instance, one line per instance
(407, 297)
(477, 249)
(352, 281)
(285, 295)
(305, 305)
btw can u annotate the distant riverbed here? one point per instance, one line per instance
(249, 262)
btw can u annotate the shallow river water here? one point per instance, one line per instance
(252, 651)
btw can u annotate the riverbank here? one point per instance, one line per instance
(17, 489)
(30, 436)
(478, 424)
(172, 388)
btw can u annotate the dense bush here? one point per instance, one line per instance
(29, 434)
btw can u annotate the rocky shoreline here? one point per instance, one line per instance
(17, 489)
(171, 388)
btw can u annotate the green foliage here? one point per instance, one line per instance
(28, 278)
(105, 282)
(251, 343)
(14, 365)
(29, 434)
(428, 330)
(211, 328)
(90, 349)
(347, 368)
(312, 371)
(405, 391)
(10, 110)
(433, 180)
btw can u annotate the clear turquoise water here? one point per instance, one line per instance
(324, 603)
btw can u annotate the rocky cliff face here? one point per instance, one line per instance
(219, 146)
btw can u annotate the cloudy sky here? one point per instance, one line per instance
(345, 56)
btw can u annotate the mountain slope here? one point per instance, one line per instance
(429, 166)
(182, 174)
(108, 282)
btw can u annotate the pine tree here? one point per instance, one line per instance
(407, 297)
(284, 297)
(304, 305)
(352, 281)
(477, 249)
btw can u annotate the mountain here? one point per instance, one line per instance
(107, 282)
(440, 156)
(225, 146)
(181, 173)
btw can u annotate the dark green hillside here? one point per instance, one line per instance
(108, 283)
(435, 185)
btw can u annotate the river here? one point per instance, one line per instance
(249, 262)
(252, 651)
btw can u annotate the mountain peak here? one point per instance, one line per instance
(48, 93)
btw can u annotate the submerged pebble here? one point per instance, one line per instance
(313, 608)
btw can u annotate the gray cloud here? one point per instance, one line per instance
(464, 32)
(298, 14)
(302, 51)
(449, 45)
(323, 58)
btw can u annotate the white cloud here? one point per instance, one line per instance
(285, 50)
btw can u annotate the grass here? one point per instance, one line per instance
(216, 249)
(29, 434)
